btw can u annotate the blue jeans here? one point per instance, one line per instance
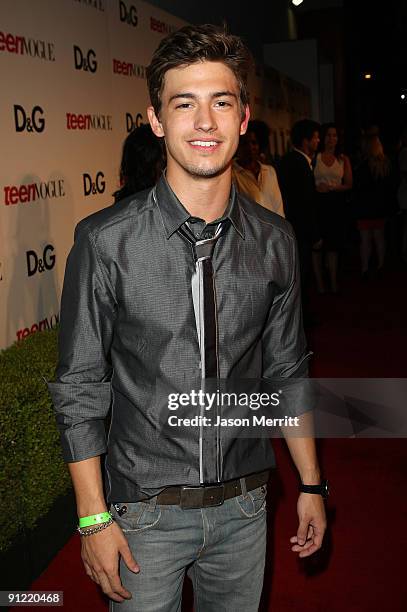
(222, 547)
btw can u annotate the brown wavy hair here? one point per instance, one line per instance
(198, 43)
(322, 135)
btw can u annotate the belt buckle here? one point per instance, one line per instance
(214, 496)
(202, 497)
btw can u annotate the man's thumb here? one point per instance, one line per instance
(129, 560)
(302, 533)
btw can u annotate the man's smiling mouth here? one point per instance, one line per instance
(205, 144)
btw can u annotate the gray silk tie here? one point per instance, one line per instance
(204, 298)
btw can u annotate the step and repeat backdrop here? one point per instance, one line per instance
(73, 86)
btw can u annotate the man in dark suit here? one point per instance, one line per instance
(296, 179)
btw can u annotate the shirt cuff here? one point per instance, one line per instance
(81, 409)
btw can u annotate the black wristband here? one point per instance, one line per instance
(321, 489)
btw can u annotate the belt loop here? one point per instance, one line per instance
(152, 504)
(243, 486)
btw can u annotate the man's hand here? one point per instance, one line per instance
(100, 556)
(312, 525)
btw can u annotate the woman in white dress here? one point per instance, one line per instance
(256, 180)
(333, 178)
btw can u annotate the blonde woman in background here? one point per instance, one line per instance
(374, 195)
(402, 192)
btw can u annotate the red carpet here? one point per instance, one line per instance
(362, 567)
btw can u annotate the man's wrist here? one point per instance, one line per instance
(321, 489)
(310, 476)
(91, 507)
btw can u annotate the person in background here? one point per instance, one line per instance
(256, 180)
(296, 179)
(374, 195)
(333, 178)
(142, 162)
(262, 131)
(402, 192)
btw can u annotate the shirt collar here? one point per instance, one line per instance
(174, 214)
(309, 159)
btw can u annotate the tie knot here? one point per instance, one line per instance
(204, 248)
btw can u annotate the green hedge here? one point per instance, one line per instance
(32, 471)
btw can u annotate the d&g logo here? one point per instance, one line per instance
(128, 15)
(86, 62)
(94, 187)
(132, 123)
(23, 121)
(40, 264)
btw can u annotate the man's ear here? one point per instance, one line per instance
(155, 122)
(245, 121)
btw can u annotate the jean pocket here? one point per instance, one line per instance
(135, 516)
(253, 503)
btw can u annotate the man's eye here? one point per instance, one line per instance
(184, 105)
(222, 103)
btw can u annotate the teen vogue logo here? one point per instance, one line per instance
(40, 263)
(129, 69)
(78, 121)
(160, 26)
(31, 121)
(97, 4)
(94, 187)
(26, 193)
(20, 45)
(128, 14)
(133, 122)
(47, 323)
(85, 60)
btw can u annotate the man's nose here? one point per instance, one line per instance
(205, 118)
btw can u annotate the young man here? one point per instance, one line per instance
(139, 309)
(296, 179)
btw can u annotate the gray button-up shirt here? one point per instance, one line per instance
(128, 323)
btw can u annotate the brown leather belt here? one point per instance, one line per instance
(210, 495)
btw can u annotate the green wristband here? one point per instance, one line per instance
(94, 519)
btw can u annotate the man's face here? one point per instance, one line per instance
(313, 143)
(200, 118)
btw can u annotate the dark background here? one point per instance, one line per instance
(357, 36)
